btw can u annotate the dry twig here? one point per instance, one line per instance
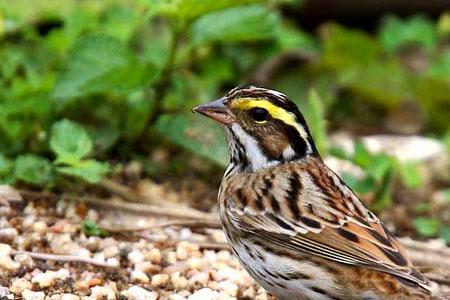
(177, 223)
(64, 258)
(176, 212)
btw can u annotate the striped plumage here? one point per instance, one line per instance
(294, 225)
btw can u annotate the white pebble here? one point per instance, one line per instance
(229, 288)
(64, 297)
(195, 263)
(44, 280)
(5, 259)
(179, 281)
(80, 251)
(39, 227)
(205, 294)
(19, 285)
(176, 297)
(154, 256)
(160, 280)
(113, 262)
(135, 257)
(137, 293)
(102, 292)
(8, 234)
(62, 274)
(28, 221)
(139, 276)
(111, 251)
(69, 297)
(30, 295)
(249, 293)
(201, 278)
(100, 257)
(24, 260)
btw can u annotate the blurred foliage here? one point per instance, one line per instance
(85, 81)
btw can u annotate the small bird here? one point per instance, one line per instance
(293, 224)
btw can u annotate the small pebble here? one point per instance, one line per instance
(179, 281)
(154, 256)
(205, 294)
(137, 293)
(113, 262)
(139, 276)
(160, 280)
(69, 297)
(111, 251)
(229, 288)
(135, 257)
(39, 227)
(45, 279)
(200, 278)
(19, 285)
(176, 297)
(24, 260)
(30, 295)
(5, 259)
(8, 234)
(102, 292)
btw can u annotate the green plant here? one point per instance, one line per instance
(379, 173)
(71, 145)
(90, 228)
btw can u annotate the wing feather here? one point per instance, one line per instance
(322, 223)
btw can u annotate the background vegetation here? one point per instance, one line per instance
(87, 86)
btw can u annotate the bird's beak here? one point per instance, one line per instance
(216, 110)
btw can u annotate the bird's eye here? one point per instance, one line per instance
(259, 114)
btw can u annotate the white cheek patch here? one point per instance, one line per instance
(253, 152)
(288, 153)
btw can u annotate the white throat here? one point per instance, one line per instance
(255, 157)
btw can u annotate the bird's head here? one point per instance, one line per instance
(263, 126)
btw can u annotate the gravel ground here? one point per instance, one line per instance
(134, 268)
(45, 254)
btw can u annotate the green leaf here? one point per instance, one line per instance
(90, 228)
(380, 165)
(191, 9)
(188, 10)
(410, 175)
(69, 141)
(315, 115)
(6, 166)
(90, 170)
(428, 227)
(417, 30)
(383, 198)
(33, 169)
(440, 68)
(338, 152)
(100, 63)
(245, 23)
(362, 156)
(444, 234)
(195, 133)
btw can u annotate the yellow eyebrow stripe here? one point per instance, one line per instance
(275, 111)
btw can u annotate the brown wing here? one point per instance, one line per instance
(306, 207)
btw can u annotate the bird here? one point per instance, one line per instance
(292, 222)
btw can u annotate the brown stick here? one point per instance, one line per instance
(177, 223)
(176, 212)
(122, 191)
(64, 258)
